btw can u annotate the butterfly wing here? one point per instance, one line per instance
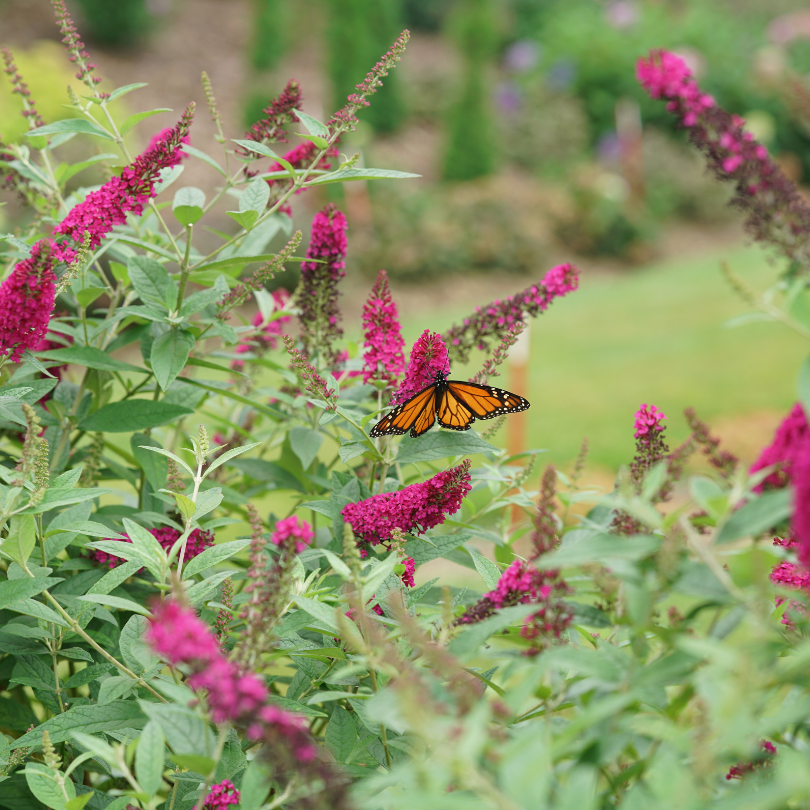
(484, 401)
(453, 413)
(417, 414)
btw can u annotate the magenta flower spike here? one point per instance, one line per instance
(292, 527)
(790, 437)
(317, 295)
(428, 357)
(490, 324)
(416, 508)
(109, 205)
(26, 301)
(776, 212)
(383, 359)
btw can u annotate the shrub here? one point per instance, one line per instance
(641, 655)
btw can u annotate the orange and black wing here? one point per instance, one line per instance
(479, 401)
(453, 413)
(418, 414)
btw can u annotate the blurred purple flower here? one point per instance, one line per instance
(609, 149)
(522, 56)
(508, 97)
(561, 75)
(622, 14)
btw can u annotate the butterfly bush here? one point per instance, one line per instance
(318, 294)
(383, 359)
(417, 507)
(107, 207)
(26, 302)
(776, 211)
(323, 661)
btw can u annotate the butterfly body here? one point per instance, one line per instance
(456, 404)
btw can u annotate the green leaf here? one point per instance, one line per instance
(59, 496)
(71, 125)
(13, 590)
(88, 719)
(169, 354)
(202, 298)
(115, 602)
(200, 591)
(207, 501)
(155, 466)
(255, 146)
(185, 731)
(213, 556)
(341, 734)
(87, 675)
(602, 548)
(358, 174)
(135, 650)
(305, 443)
(121, 573)
(115, 688)
(194, 762)
(16, 716)
(488, 570)
(758, 515)
(188, 205)
(321, 143)
(318, 610)
(424, 550)
(65, 172)
(314, 127)
(133, 119)
(255, 786)
(469, 641)
(440, 444)
(78, 802)
(42, 783)
(149, 278)
(86, 296)
(21, 540)
(122, 91)
(255, 197)
(30, 607)
(132, 415)
(91, 357)
(247, 219)
(205, 158)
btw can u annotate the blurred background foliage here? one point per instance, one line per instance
(535, 145)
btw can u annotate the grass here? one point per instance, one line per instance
(657, 335)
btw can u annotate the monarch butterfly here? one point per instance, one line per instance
(456, 404)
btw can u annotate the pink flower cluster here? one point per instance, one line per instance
(777, 213)
(428, 358)
(26, 301)
(741, 770)
(523, 584)
(109, 205)
(791, 576)
(491, 323)
(221, 795)
(270, 128)
(318, 291)
(180, 637)
(289, 527)
(791, 436)
(417, 507)
(266, 337)
(383, 359)
(177, 156)
(198, 541)
(648, 418)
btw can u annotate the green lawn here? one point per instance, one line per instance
(656, 335)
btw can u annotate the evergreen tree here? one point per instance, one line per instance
(470, 140)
